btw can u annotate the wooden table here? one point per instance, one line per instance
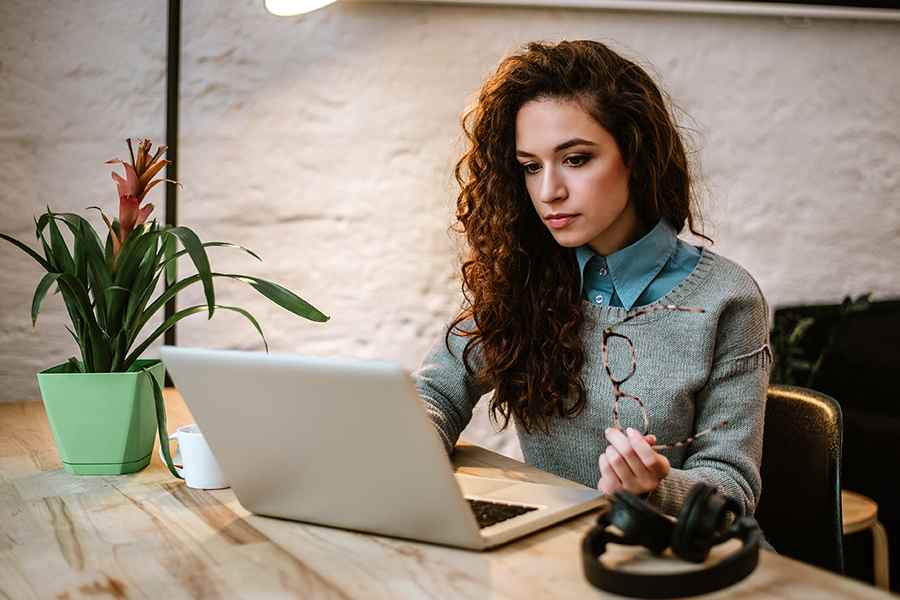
(146, 535)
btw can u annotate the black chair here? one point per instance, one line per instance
(858, 353)
(800, 506)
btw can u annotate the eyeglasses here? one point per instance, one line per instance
(618, 382)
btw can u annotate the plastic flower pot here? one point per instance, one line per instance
(102, 423)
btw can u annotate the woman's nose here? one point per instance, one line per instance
(552, 187)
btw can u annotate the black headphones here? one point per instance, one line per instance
(702, 524)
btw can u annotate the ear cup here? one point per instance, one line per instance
(702, 580)
(723, 531)
(698, 523)
(640, 522)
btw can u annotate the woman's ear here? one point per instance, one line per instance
(630, 166)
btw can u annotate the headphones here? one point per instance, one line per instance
(702, 524)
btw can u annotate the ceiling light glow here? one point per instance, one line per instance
(290, 8)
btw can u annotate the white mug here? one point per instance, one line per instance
(195, 461)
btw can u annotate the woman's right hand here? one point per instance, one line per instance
(630, 463)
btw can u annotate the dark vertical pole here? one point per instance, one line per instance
(173, 61)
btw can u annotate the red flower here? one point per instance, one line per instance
(133, 187)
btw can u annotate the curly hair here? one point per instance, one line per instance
(520, 286)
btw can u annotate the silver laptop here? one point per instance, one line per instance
(348, 444)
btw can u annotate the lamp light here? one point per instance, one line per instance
(288, 8)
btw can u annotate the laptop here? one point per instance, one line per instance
(347, 443)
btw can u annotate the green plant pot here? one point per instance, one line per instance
(103, 423)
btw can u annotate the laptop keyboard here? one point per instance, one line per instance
(491, 513)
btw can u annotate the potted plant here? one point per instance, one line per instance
(803, 337)
(105, 408)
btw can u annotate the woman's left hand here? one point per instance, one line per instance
(630, 463)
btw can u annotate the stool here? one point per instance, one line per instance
(859, 513)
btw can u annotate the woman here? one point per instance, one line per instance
(574, 186)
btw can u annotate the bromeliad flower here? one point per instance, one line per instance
(133, 188)
(108, 285)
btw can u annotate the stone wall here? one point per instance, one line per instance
(326, 144)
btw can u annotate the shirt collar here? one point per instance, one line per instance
(634, 267)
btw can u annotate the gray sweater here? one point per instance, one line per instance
(693, 370)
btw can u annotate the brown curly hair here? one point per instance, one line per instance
(520, 286)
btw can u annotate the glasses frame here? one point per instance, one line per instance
(618, 394)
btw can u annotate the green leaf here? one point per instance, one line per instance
(161, 300)
(284, 298)
(83, 342)
(120, 349)
(115, 298)
(181, 314)
(78, 225)
(39, 226)
(41, 223)
(139, 248)
(94, 341)
(147, 281)
(74, 335)
(800, 365)
(284, 295)
(99, 282)
(857, 305)
(143, 283)
(161, 422)
(75, 296)
(39, 293)
(136, 310)
(150, 264)
(107, 247)
(170, 265)
(88, 247)
(79, 256)
(101, 355)
(115, 288)
(59, 248)
(195, 249)
(800, 330)
(74, 366)
(132, 253)
(28, 251)
(216, 244)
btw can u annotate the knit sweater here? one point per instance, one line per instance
(693, 370)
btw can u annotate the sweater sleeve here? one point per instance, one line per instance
(448, 391)
(729, 458)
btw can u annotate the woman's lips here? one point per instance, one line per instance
(559, 221)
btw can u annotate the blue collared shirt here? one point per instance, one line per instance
(638, 274)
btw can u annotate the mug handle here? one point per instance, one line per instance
(176, 460)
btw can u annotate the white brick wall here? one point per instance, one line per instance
(326, 144)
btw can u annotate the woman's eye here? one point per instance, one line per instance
(530, 168)
(577, 160)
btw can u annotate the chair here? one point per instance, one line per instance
(861, 514)
(858, 353)
(800, 507)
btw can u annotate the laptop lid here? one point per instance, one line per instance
(336, 442)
